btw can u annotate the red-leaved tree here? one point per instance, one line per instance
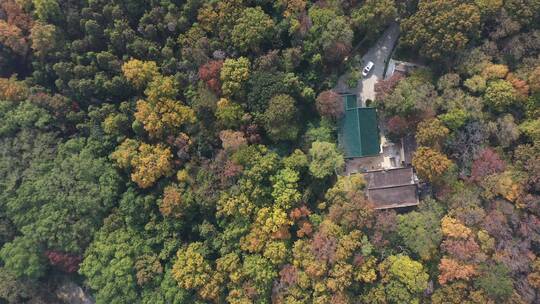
(209, 73)
(64, 261)
(329, 104)
(323, 247)
(398, 126)
(385, 87)
(466, 250)
(488, 162)
(300, 217)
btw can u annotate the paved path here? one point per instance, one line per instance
(378, 53)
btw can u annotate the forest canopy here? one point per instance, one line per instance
(171, 152)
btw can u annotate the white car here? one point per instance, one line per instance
(368, 68)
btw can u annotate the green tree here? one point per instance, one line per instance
(412, 96)
(496, 281)
(531, 128)
(22, 157)
(260, 273)
(44, 39)
(403, 279)
(233, 74)
(280, 118)
(251, 29)
(23, 257)
(421, 231)
(373, 16)
(330, 35)
(64, 202)
(476, 84)
(109, 263)
(297, 161)
(14, 290)
(22, 115)
(324, 159)
(285, 188)
(500, 95)
(323, 131)
(488, 7)
(262, 86)
(523, 11)
(47, 10)
(168, 292)
(454, 119)
(228, 113)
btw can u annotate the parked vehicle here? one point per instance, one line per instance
(367, 69)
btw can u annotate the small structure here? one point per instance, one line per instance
(391, 155)
(358, 130)
(402, 67)
(385, 165)
(392, 188)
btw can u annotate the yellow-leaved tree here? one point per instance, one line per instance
(233, 73)
(140, 73)
(431, 133)
(452, 227)
(171, 202)
(147, 162)
(160, 112)
(192, 270)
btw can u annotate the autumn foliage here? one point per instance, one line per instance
(488, 162)
(179, 152)
(171, 204)
(453, 228)
(452, 270)
(15, 27)
(140, 73)
(13, 90)
(430, 164)
(330, 104)
(210, 73)
(232, 140)
(385, 86)
(64, 261)
(147, 162)
(431, 133)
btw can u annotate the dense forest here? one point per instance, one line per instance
(185, 151)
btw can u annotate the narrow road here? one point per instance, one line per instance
(378, 53)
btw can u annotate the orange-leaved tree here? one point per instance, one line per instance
(430, 164)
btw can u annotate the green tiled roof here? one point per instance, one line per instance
(358, 130)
